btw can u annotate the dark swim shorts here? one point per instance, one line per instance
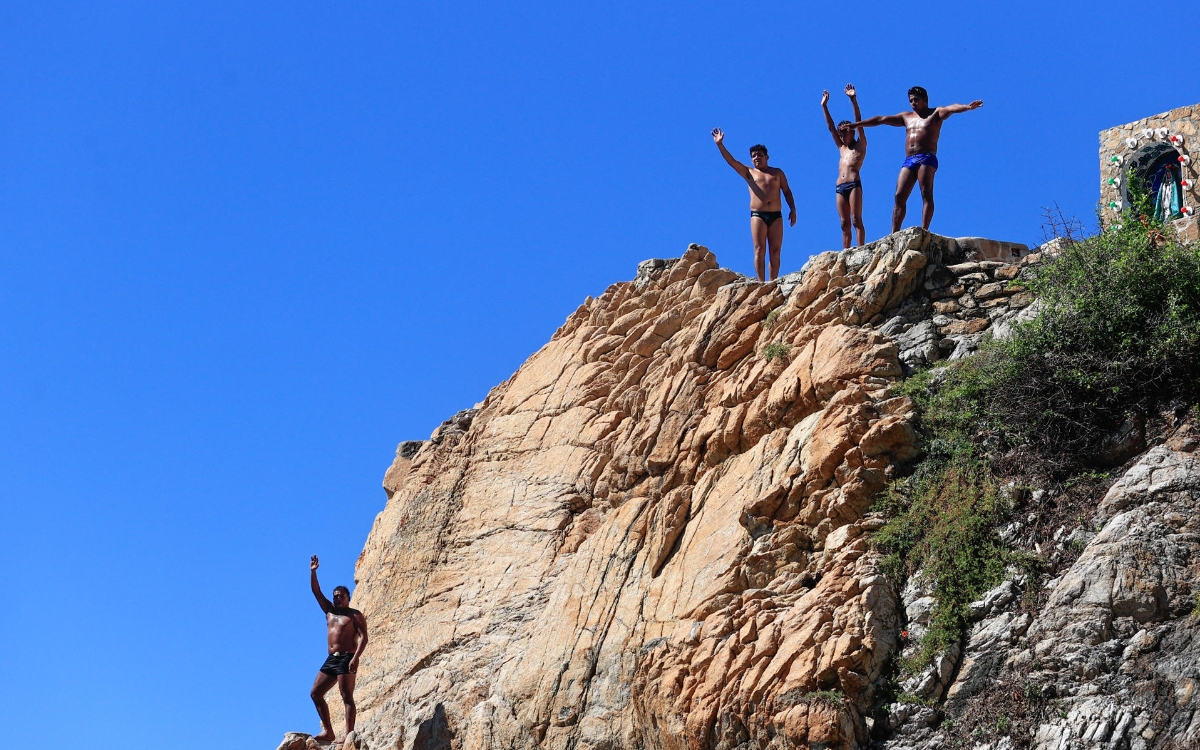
(917, 160)
(845, 188)
(338, 663)
(768, 217)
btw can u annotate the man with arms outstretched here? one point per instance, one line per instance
(347, 638)
(766, 225)
(924, 126)
(852, 150)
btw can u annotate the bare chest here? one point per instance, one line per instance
(921, 128)
(339, 624)
(765, 181)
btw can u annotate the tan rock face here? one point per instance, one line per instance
(652, 535)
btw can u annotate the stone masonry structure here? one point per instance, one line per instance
(1142, 147)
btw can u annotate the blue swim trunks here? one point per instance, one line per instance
(917, 160)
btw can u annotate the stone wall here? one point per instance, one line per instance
(957, 305)
(977, 288)
(1123, 142)
(981, 248)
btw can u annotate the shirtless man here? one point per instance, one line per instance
(924, 126)
(765, 183)
(347, 639)
(852, 151)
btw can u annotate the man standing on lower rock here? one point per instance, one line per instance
(766, 215)
(347, 631)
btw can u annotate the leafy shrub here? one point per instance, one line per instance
(1118, 333)
(944, 520)
(1120, 327)
(914, 700)
(773, 350)
(944, 517)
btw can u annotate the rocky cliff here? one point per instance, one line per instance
(1103, 654)
(656, 534)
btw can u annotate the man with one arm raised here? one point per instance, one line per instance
(347, 631)
(765, 183)
(924, 126)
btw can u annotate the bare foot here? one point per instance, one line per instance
(325, 737)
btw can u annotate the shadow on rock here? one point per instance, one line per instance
(434, 733)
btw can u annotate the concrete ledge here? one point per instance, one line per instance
(981, 248)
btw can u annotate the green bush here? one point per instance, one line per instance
(1118, 333)
(944, 521)
(777, 349)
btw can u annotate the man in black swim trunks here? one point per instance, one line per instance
(924, 126)
(765, 184)
(852, 147)
(347, 629)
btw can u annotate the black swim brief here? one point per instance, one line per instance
(768, 217)
(845, 188)
(338, 663)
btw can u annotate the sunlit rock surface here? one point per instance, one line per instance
(655, 533)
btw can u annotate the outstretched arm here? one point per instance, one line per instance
(853, 94)
(326, 605)
(719, 139)
(870, 122)
(829, 118)
(787, 196)
(360, 623)
(953, 109)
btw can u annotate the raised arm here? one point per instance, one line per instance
(870, 122)
(787, 196)
(719, 138)
(953, 109)
(829, 118)
(853, 94)
(360, 624)
(326, 605)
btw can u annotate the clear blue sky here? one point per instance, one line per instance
(248, 247)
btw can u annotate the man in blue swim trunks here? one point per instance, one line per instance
(852, 147)
(924, 126)
(766, 214)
